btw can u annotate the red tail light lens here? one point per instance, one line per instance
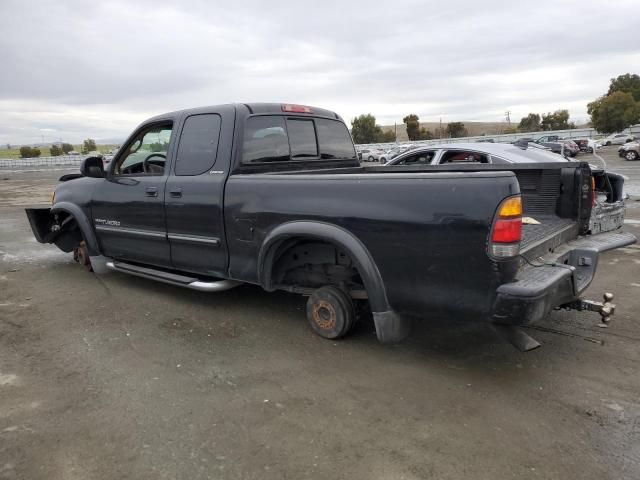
(507, 229)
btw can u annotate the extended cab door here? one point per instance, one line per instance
(128, 206)
(195, 193)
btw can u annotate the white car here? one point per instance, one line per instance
(389, 154)
(617, 139)
(394, 152)
(370, 154)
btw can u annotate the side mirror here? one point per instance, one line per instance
(92, 167)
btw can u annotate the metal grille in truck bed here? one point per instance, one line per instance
(540, 191)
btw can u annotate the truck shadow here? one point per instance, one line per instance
(279, 317)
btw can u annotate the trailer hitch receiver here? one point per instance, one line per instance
(605, 309)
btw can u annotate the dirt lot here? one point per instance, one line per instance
(117, 377)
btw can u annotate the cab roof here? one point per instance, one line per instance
(253, 108)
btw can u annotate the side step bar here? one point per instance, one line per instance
(172, 278)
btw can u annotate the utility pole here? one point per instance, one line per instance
(440, 128)
(507, 116)
(395, 130)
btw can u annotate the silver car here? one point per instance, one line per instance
(617, 139)
(630, 151)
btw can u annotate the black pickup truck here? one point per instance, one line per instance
(274, 195)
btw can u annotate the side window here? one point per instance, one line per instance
(302, 138)
(420, 158)
(198, 145)
(147, 153)
(334, 140)
(461, 156)
(265, 140)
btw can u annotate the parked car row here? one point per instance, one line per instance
(554, 143)
(372, 154)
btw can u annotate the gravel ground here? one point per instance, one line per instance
(117, 377)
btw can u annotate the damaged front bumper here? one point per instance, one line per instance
(67, 228)
(47, 228)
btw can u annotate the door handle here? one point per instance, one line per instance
(175, 193)
(151, 191)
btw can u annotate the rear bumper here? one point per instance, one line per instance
(556, 279)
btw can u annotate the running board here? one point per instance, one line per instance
(172, 278)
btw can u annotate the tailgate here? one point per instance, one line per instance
(556, 206)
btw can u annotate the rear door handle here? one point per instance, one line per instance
(152, 192)
(175, 193)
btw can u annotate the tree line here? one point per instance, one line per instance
(365, 130)
(55, 150)
(614, 111)
(558, 120)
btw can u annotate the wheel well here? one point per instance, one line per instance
(69, 235)
(304, 264)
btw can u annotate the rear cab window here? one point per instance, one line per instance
(279, 138)
(198, 145)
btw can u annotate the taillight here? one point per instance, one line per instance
(296, 109)
(506, 232)
(593, 191)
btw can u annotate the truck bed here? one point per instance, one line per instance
(551, 226)
(541, 185)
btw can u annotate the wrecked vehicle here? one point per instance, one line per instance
(608, 210)
(274, 195)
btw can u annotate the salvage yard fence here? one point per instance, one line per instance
(508, 137)
(59, 161)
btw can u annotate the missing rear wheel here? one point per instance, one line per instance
(330, 312)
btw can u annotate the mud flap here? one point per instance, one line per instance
(391, 327)
(517, 337)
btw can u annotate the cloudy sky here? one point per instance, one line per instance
(78, 69)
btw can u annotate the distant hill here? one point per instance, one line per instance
(474, 128)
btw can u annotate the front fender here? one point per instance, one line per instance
(83, 224)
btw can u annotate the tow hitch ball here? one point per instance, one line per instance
(606, 309)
